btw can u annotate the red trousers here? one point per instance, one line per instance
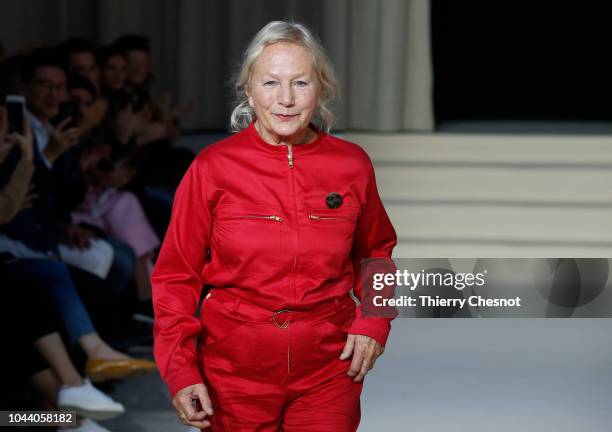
(278, 371)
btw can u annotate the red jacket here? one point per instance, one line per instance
(252, 219)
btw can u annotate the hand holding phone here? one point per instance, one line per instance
(68, 109)
(62, 138)
(15, 108)
(15, 126)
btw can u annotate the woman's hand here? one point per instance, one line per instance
(187, 411)
(365, 351)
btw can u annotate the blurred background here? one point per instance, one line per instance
(489, 125)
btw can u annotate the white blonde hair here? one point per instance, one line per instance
(282, 31)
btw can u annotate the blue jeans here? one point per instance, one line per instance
(55, 278)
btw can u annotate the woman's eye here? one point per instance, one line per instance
(269, 83)
(301, 83)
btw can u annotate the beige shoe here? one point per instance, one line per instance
(99, 370)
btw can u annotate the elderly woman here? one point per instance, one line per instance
(276, 219)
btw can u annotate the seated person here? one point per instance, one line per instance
(118, 213)
(78, 56)
(39, 355)
(33, 231)
(113, 66)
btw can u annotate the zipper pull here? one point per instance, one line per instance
(290, 155)
(275, 218)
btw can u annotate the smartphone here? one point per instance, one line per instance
(67, 109)
(15, 109)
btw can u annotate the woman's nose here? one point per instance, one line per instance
(285, 95)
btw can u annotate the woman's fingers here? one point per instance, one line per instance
(358, 355)
(190, 411)
(365, 352)
(365, 368)
(204, 399)
(189, 417)
(187, 410)
(348, 347)
(194, 417)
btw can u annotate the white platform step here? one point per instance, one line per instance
(495, 195)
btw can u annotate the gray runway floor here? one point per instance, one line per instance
(544, 375)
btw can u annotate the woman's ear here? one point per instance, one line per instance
(249, 97)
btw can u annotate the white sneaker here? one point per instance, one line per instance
(86, 425)
(89, 402)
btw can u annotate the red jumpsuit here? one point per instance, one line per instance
(254, 221)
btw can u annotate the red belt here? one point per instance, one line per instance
(281, 318)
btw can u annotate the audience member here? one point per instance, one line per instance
(139, 65)
(96, 163)
(113, 64)
(79, 57)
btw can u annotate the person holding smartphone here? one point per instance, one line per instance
(13, 195)
(35, 233)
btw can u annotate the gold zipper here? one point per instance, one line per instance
(288, 350)
(273, 217)
(315, 217)
(290, 155)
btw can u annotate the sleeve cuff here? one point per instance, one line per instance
(185, 379)
(376, 328)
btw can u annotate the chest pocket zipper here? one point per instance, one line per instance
(271, 217)
(315, 217)
(322, 218)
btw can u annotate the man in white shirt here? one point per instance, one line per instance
(45, 90)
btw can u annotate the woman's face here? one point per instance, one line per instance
(83, 98)
(114, 72)
(284, 92)
(138, 67)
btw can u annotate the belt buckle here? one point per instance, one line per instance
(275, 314)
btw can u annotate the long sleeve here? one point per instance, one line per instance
(12, 195)
(177, 281)
(374, 238)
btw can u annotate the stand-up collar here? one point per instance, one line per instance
(282, 149)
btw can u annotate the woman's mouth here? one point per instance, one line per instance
(285, 117)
